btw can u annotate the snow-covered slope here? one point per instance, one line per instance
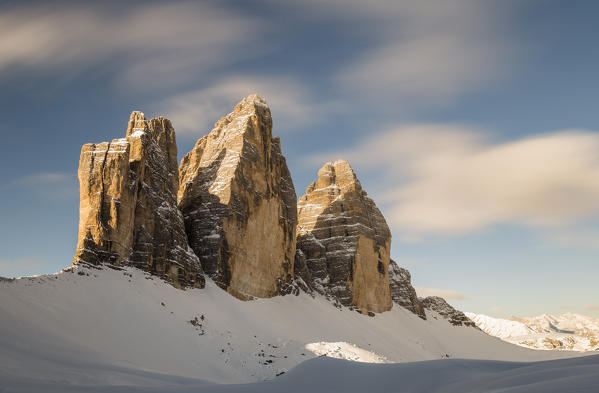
(326, 375)
(88, 326)
(562, 332)
(502, 328)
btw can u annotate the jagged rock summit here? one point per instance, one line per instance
(128, 204)
(230, 210)
(345, 240)
(439, 305)
(239, 204)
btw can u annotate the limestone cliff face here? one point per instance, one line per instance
(440, 306)
(239, 204)
(128, 204)
(345, 240)
(402, 291)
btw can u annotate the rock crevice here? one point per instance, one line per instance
(345, 240)
(440, 306)
(239, 204)
(128, 206)
(229, 210)
(402, 291)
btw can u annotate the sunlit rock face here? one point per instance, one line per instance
(402, 292)
(345, 240)
(128, 204)
(239, 204)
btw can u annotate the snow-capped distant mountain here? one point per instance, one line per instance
(565, 323)
(571, 332)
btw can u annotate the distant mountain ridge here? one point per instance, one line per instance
(572, 332)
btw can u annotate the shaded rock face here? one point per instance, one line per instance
(439, 305)
(302, 275)
(128, 204)
(402, 291)
(239, 204)
(345, 240)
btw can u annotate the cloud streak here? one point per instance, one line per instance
(28, 265)
(576, 238)
(444, 293)
(453, 180)
(153, 45)
(416, 52)
(424, 52)
(49, 185)
(292, 106)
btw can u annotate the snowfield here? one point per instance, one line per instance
(326, 375)
(343, 350)
(90, 329)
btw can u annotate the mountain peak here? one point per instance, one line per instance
(253, 98)
(239, 204)
(338, 173)
(345, 240)
(128, 204)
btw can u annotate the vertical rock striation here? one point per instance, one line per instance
(345, 240)
(402, 291)
(128, 204)
(239, 204)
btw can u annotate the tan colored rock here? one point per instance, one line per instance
(345, 240)
(239, 204)
(128, 204)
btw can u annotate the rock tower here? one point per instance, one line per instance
(239, 204)
(345, 240)
(128, 204)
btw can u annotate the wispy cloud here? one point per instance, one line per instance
(22, 266)
(291, 103)
(577, 238)
(50, 185)
(157, 44)
(444, 293)
(416, 50)
(423, 52)
(37, 179)
(444, 179)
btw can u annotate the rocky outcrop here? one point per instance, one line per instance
(239, 204)
(440, 306)
(402, 291)
(302, 275)
(345, 240)
(128, 204)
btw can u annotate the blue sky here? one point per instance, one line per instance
(473, 125)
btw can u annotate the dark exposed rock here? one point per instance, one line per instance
(345, 240)
(303, 277)
(402, 291)
(440, 306)
(128, 204)
(239, 204)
